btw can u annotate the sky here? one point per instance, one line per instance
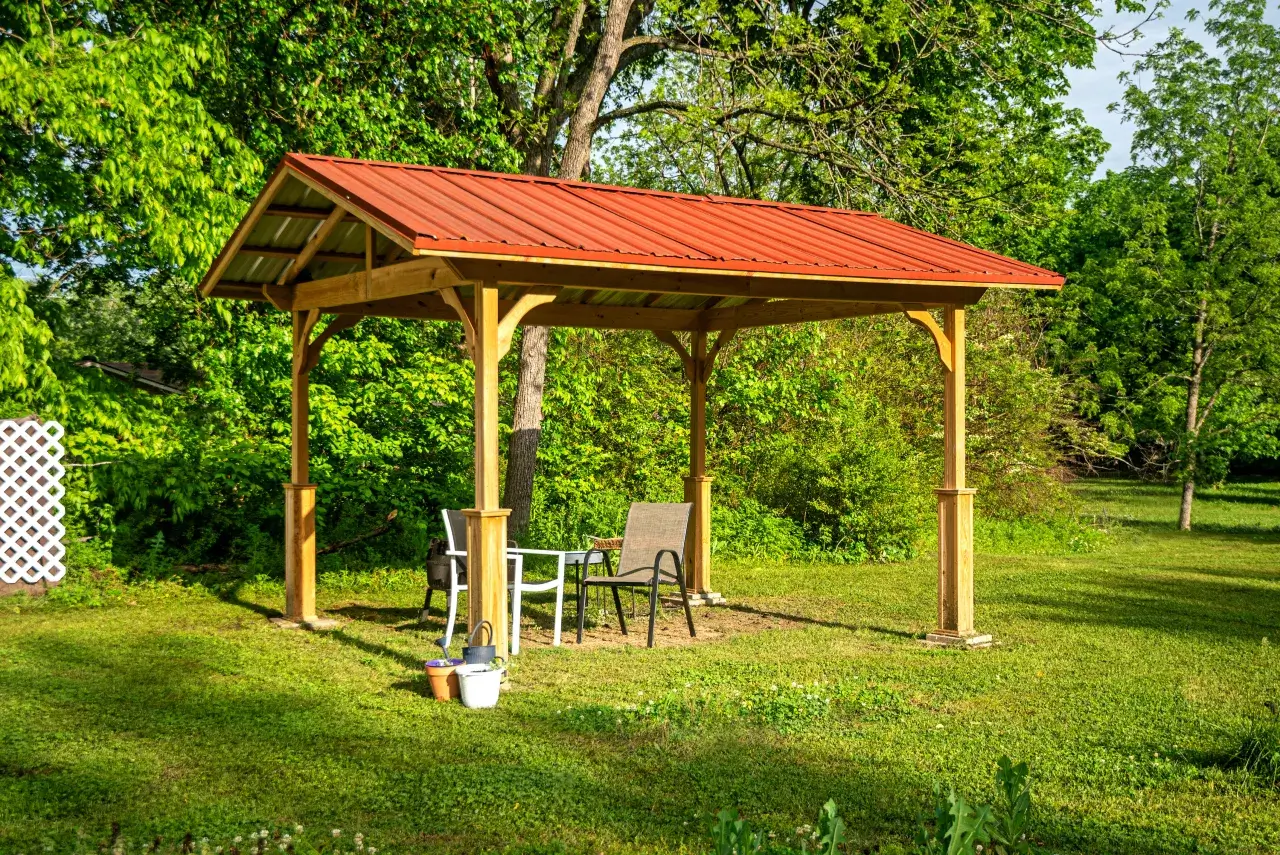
(1093, 89)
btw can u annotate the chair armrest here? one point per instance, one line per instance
(522, 551)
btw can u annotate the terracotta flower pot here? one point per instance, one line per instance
(444, 679)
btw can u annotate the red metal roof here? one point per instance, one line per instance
(457, 211)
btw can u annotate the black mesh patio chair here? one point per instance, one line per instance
(652, 555)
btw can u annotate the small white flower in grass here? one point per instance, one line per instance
(262, 833)
(373, 851)
(282, 847)
(237, 839)
(298, 829)
(337, 832)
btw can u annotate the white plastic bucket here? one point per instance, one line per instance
(479, 686)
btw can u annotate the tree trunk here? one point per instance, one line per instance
(526, 428)
(1198, 357)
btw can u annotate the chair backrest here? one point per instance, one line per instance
(652, 528)
(455, 528)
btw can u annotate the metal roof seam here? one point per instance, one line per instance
(697, 252)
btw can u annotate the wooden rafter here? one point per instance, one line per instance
(293, 254)
(242, 231)
(295, 212)
(317, 239)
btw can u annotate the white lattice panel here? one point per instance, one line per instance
(31, 510)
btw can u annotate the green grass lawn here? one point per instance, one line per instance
(1123, 676)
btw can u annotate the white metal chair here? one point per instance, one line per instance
(455, 527)
(519, 586)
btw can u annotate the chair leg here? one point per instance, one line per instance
(617, 604)
(426, 605)
(684, 597)
(653, 609)
(555, 640)
(582, 609)
(515, 620)
(453, 616)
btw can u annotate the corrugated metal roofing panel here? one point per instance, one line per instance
(453, 211)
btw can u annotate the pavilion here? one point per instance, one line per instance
(352, 239)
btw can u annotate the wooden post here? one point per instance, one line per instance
(955, 504)
(697, 486)
(299, 494)
(487, 522)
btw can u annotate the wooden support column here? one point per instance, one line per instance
(955, 500)
(487, 522)
(698, 359)
(299, 493)
(697, 485)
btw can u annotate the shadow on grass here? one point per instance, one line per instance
(812, 621)
(1251, 532)
(1210, 607)
(431, 774)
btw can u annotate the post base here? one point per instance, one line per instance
(706, 598)
(315, 624)
(972, 641)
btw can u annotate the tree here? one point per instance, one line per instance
(1177, 279)
(909, 108)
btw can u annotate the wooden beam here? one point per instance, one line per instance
(954, 395)
(317, 239)
(292, 254)
(607, 277)
(418, 276)
(337, 325)
(724, 338)
(295, 212)
(697, 485)
(487, 521)
(955, 504)
(300, 495)
(303, 324)
(513, 315)
(451, 299)
(243, 230)
(238, 291)
(670, 338)
(369, 242)
(779, 312)
(922, 318)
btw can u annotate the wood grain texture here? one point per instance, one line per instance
(300, 552)
(955, 501)
(487, 521)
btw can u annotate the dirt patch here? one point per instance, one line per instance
(713, 623)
